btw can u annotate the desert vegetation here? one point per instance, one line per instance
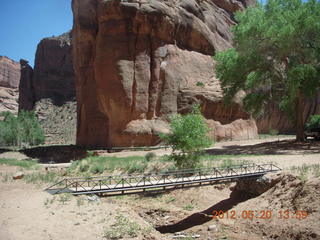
(188, 138)
(275, 58)
(23, 130)
(143, 81)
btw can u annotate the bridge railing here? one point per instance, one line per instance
(187, 176)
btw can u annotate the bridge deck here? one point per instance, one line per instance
(125, 184)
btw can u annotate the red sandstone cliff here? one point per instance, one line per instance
(276, 120)
(137, 62)
(53, 75)
(49, 88)
(9, 83)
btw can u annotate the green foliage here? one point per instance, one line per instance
(188, 137)
(273, 132)
(200, 84)
(306, 171)
(97, 168)
(27, 164)
(150, 156)
(99, 164)
(188, 207)
(22, 130)
(275, 58)
(314, 122)
(37, 177)
(122, 228)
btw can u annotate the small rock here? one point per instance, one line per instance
(18, 175)
(93, 198)
(213, 228)
(195, 236)
(179, 235)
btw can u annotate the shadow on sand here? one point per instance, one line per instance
(55, 154)
(269, 148)
(200, 218)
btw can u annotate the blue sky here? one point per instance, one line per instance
(25, 22)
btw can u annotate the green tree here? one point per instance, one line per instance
(275, 58)
(188, 137)
(313, 122)
(21, 130)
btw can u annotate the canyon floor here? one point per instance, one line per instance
(28, 212)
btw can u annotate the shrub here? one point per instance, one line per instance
(314, 122)
(122, 228)
(97, 168)
(273, 132)
(21, 130)
(200, 84)
(188, 137)
(150, 156)
(84, 166)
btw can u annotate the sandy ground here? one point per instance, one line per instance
(278, 150)
(221, 146)
(29, 213)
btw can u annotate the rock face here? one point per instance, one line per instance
(53, 75)
(277, 120)
(237, 130)
(49, 89)
(26, 87)
(137, 62)
(9, 83)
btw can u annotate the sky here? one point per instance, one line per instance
(25, 22)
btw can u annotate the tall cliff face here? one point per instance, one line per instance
(49, 89)
(9, 83)
(26, 87)
(53, 74)
(277, 120)
(137, 62)
(53, 71)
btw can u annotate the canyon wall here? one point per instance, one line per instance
(49, 88)
(276, 121)
(138, 62)
(9, 84)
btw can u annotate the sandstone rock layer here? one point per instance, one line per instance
(137, 62)
(9, 83)
(277, 121)
(49, 89)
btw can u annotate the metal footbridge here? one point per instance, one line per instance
(127, 184)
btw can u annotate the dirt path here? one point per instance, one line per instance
(29, 213)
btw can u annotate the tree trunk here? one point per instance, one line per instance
(299, 118)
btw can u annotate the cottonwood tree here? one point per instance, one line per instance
(275, 58)
(21, 130)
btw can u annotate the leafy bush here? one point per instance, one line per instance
(122, 228)
(97, 168)
(27, 164)
(99, 164)
(150, 156)
(21, 130)
(273, 132)
(200, 84)
(84, 166)
(314, 122)
(188, 137)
